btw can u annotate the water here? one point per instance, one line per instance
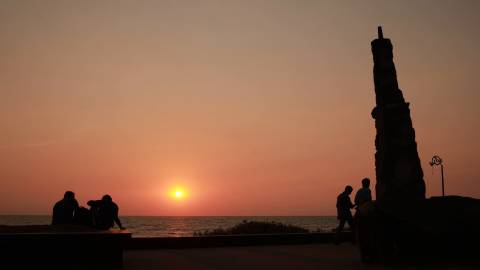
(185, 226)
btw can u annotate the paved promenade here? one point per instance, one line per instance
(296, 257)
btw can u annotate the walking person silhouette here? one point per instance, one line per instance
(364, 194)
(344, 204)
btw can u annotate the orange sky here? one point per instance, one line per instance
(255, 107)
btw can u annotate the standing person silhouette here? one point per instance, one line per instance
(364, 194)
(105, 213)
(344, 204)
(64, 210)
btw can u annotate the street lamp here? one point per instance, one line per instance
(436, 160)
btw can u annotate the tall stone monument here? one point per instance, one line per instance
(402, 223)
(398, 170)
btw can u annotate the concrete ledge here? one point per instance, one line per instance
(63, 249)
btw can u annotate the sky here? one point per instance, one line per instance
(250, 107)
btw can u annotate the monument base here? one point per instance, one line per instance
(431, 230)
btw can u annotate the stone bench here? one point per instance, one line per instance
(61, 246)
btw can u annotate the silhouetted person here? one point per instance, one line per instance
(105, 213)
(364, 194)
(64, 210)
(83, 216)
(344, 204)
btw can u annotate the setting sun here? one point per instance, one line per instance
(178, 193)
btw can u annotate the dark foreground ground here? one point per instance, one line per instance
(314, 256)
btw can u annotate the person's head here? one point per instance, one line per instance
(348, 190)
(69, 195)
(107, 198)
(365, 182)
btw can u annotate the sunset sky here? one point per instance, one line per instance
(248, 107)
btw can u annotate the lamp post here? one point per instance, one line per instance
(436, 160)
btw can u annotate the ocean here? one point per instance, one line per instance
(159, 226)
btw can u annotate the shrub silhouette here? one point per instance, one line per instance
(254, 227)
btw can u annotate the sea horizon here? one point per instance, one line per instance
(183, 226)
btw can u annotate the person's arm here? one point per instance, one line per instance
(75, 209)
(55, 214)
(357, 198)
(76, 205)
(93, 203)
(350, 203)
(117, 219)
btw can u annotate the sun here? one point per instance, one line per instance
(178, 193)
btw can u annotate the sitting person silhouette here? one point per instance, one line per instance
(64, 210)
(344, 204)
(364, 194)
(83, 216)
(105, 213)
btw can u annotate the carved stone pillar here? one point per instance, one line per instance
(398, 170)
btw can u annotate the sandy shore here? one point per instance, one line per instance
(315, 256)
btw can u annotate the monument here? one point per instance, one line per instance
(402, 224)
(398, 170)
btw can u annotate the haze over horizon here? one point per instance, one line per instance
(251, 107)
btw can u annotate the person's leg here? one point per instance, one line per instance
(341, 225)
(339, 230)
(351, 224)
